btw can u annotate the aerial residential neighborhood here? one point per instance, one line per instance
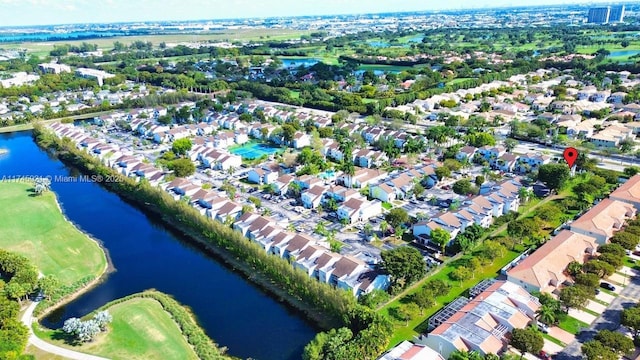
(354, 181)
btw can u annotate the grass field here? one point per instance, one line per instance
(141, 329)
(34, 227)
(43, 48)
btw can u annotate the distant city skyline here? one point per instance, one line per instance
(51, 12)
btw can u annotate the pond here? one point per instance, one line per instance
(294, 62)
(146, 255)
(623, 53)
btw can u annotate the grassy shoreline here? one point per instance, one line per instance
(37, 228)
(146, 325)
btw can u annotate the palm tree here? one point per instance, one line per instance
(384, 227)
(524, 193)
(546, 314)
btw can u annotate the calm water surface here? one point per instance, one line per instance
(146, 255)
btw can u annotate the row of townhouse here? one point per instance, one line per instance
(311, 256)
(480, 210)
(545, 269)
(110, 154)
(213, 158)
(499, 159)
(400, 186)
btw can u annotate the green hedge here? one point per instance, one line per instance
(204, 347)
(60, 293)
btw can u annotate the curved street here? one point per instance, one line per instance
(27, 319)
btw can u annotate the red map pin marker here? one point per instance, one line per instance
(570, 156)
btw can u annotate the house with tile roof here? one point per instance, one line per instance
(545, 269)
(410, 351)
(629, 192)
(604, 219)
(484, 323)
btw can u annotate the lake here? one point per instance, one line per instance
(621, 53)
(294, 62)
(233, 312)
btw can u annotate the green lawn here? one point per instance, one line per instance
(418, 322)
(141, 329)
(34, 227)
(572, 325)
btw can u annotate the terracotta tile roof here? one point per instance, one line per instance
(551, 259)
(604, 218)
(629, 191)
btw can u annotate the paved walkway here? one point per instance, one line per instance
(617, 279)
(28, 319)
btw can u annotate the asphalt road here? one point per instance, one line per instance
(609, 320)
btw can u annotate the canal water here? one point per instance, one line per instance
(146, 255)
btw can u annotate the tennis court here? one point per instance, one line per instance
(252, 151)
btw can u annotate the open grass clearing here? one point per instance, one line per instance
(141, 329)
(34, 227)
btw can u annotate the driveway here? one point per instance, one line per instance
(617, 279)
(551, 348)
(27, 319)
(596, 307)
(603, 296)
(609, 320)
(581, 315)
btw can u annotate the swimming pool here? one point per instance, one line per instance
(255, 150)
(327, 175)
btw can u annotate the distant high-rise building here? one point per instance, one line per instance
(616, 14)
(599, 15)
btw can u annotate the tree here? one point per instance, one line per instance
(374, 298)
(574, 297)
(553, 175)
(403, 313)
(625, 239)
(384, 227)
(397, 216)
(615, 341)
(48, 285)
(599, 268)
(546, 314)
(588, 280)
(403, 264)
(181, 146)
(611, 259)
(182, 167)
(594, 350)
(510, 144)
(15, 291)
(424, 298)
(574, 268)
(102, 318)
(440, 237)
(631, 319)
(418, 190)
(464, 187)
(460, 274)
(442, 172)
(527, 340)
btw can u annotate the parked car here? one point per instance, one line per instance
(543, 327)
(543, 355)
(607, 286)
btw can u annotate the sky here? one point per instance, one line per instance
(46, 12)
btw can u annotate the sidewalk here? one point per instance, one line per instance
(27, 319)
